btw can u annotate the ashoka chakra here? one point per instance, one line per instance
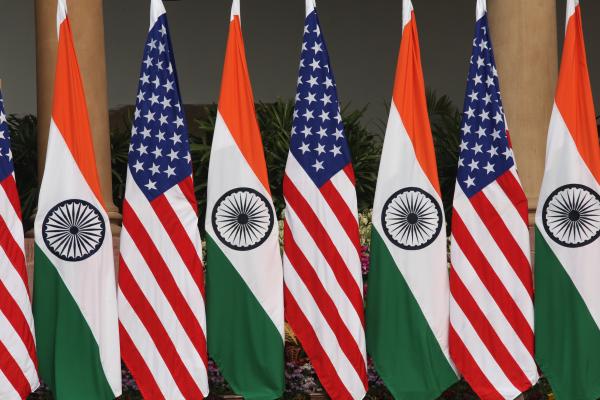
(411, 218)
(571, 215)
(242, 219)
(73, 230)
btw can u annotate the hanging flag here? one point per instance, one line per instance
(74, 297)
(567, 227)
(161, 278)
(323, 281)
(408, 301)
(18, 360)
(491, 307)
(244, 285)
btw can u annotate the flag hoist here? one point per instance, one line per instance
(74, 302)
(244, 279)
(408, 299)
(567, 227)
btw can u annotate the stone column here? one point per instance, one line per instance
(525, 45)
(87, 23)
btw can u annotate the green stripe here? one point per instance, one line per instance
(404, 349)
(242, 339)
(567, 338)
(69, 358)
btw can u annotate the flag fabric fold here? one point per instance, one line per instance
(244, 285)
(567, 227)
(491, 306)
(74, 300)
(322, 270)
(18, 359)
(408, 301)
(161, 277)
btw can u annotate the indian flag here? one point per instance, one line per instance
(408, 293)
(567, 248)
(244, 280)
(74, 298)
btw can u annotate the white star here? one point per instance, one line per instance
(2, 117)
(163, 30)
(338, 134)
(303, 49)
(466, 129)
(168, 86)
(305, 28)
(484, 115)
(140, 96)
(470, 113)
(489, 81)
(480, 62)
(161, 48)
(483, 44)
(326, 99)
(163, 119)
(156, 82)
(473, 96)
(151, 185)
(137, 113)
(481, 131)
(159, 65)
(9, 154)
(310, 98)
(336, 150)
(324, 116)
(338, 118)
(493, 151)
(146, 132)
(148, 62)
(477, 148)
(293, 130)
(489, 168)
(170, 68)
(312, 81)
(461, 162)
(166, 103)
(154, 169)
(144, 79)
(474, 165)
(139, 166)
(154, 99)
(496, 134)
(173, 155)
(188, 157)
(178, 121)
(160, 136)
(477, 79)
(170, 171)
(507, 153)
(317, 31)
(322, 132)
(463, 146)
(149, 116)
(487, 98)
(318, 165)
(494, 71)
(307, 131)
(295, 114)
(304, 148)
(328, 82)
(2, 135)
(320, 149)
(175, 138)
(308, 115)
(498, 118)
(157, 152)
(470, 182)
(316, 48)
(315, 64)
(142, 149)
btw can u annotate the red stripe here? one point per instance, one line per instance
(187, 188)
(326, 305)
(13, 251)
(345, 216)
(349, 171)
(511, 186)
(504, 239)
(13, 372)
(470, 370)
(180, 238)
(165, 280)
(487, 333)
(325, 370)
(138, 367)
(492, 283)
(158, 333)
(319, 234)
(14, 315)
(10, 188)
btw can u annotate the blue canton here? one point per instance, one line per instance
(159, 156)
(6, 164)
(485, 152)
(317, 139)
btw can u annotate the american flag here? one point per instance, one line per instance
(18, 361)
(323, 282)
(491, 310)
(161, 279)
